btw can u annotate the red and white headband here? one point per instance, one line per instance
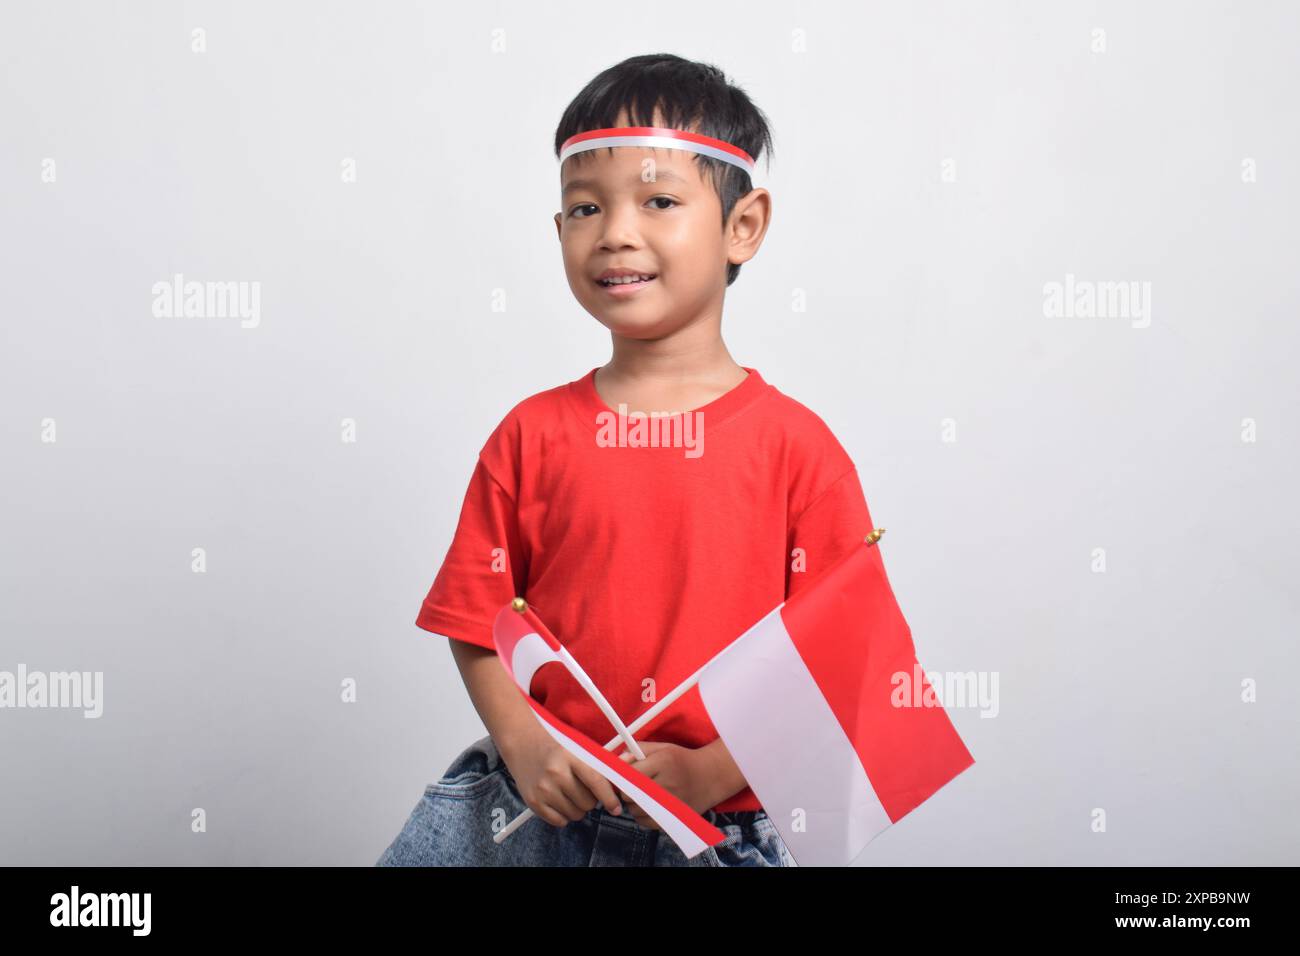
(658, 137)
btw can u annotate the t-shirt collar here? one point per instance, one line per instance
(723, 407)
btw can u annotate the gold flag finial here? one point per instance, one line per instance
(875, 535)
(519, 604)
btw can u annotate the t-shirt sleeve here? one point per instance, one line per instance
(484, 567)
(836, 520)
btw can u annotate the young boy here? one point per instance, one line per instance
(644, 559)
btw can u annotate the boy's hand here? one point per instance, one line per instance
(555, 785)
(692, 775)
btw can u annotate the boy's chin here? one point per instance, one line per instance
(652, 327)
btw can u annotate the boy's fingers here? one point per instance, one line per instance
(569, 801)
(600, 788)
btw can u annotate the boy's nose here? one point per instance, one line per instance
(619, 229)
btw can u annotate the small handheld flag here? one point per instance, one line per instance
(523, 645)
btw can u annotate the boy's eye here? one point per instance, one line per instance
(664, 199)
(585, 205)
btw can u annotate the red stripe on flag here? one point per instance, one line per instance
(536, 623)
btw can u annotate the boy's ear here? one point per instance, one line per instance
(748, 224)
(557, 225)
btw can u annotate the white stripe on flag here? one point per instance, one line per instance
(795, 756)
(530, 653)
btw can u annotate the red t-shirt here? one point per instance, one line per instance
(645, 561)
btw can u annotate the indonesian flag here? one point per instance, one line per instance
(524, 644)
(815, 705)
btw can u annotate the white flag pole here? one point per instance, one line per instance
(624, 734)
(659, 706)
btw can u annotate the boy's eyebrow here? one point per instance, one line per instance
(589, 183)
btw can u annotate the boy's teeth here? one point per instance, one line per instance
(623, 280)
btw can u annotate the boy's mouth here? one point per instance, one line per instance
(626, 285)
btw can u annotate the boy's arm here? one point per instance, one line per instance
(496, 697)
(730, 781)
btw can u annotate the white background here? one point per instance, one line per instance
(1118, 690)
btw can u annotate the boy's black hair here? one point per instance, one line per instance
(687, 95)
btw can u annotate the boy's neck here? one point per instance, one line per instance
(646, 376)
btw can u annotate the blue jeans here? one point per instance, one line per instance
(454, 822)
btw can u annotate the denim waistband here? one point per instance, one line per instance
(741, 817)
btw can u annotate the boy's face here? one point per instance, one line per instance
(670, 227)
